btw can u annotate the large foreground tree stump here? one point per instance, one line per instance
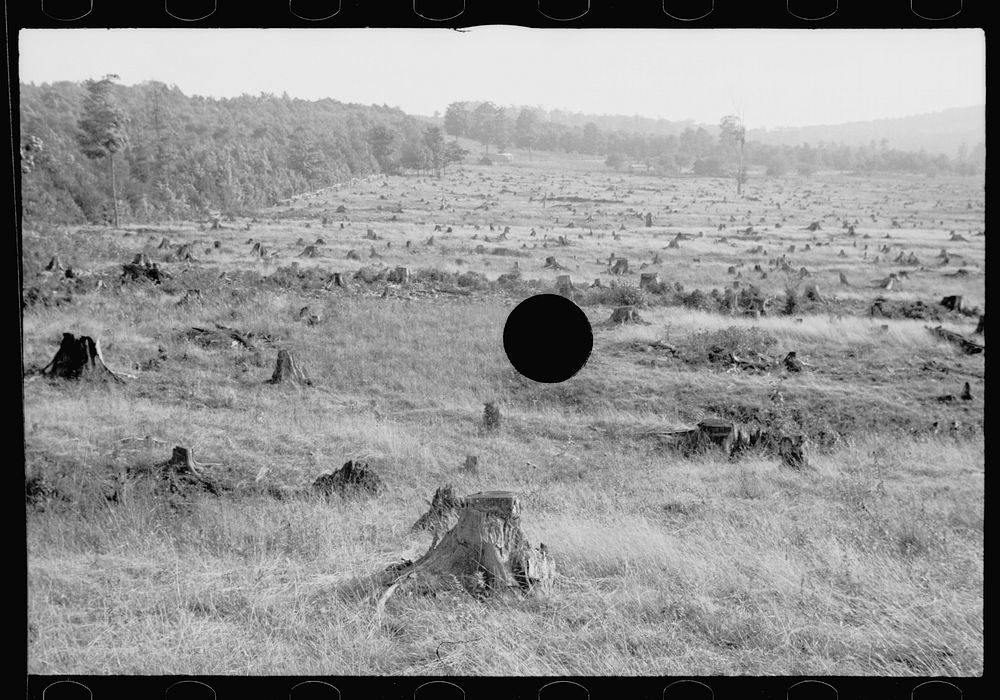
(287, 370)
(79, 358)
(485, 553)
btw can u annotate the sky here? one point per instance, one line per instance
(772, 77)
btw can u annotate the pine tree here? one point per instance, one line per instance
(102, 127)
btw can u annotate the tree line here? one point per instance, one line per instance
(163, 154)
(102, 152)
(694, 150)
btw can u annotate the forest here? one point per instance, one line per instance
(169, 155)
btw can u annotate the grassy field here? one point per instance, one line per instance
(868, 562)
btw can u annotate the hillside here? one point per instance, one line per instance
(937, 132)
(185, 155)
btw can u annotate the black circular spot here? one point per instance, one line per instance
(547, 338)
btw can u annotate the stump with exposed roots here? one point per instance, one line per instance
(79, 358)
(399, 275)
(180, 474)
(287, 370)
(485, 554)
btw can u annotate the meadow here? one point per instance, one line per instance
(868, 562)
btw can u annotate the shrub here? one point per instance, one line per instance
(738, 340)
(618, 295)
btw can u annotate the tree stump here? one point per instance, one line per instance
(966, 394)
(471, 463)
(792, 363)
(564, 286)
(981, 326)
(286, 369)
(843, 280)
(350, 479)
(791, 451)
(714, 432)
(79, 358)
(649, 280)
(309, 251)
(952, 302)
(812, 293)
(306, 314)
(181, 474)
(443, 513)
(400, 275)
(620, 267)
(485, 554)
(625, 314)
(491, 416)
(649, 219)
(966, 345)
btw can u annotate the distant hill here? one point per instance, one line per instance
(937, 132)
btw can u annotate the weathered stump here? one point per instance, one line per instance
(306, 314)
(843, 280)
(399, 275)
(79, 358)
(181, 474)
(649, 219)
(564, 286)
(981, 326)
(286, 369)
(792, 363)
(713, 432)
(310, 251)
(485, 554)
(966, 394)
(812, 293)
(966, 345)
(491, 416)
(552, 264)
(221, 335)
(649, 280)
(625, 314)
(620, 267)
(952, 302)
(791, 451)
(351, 479)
